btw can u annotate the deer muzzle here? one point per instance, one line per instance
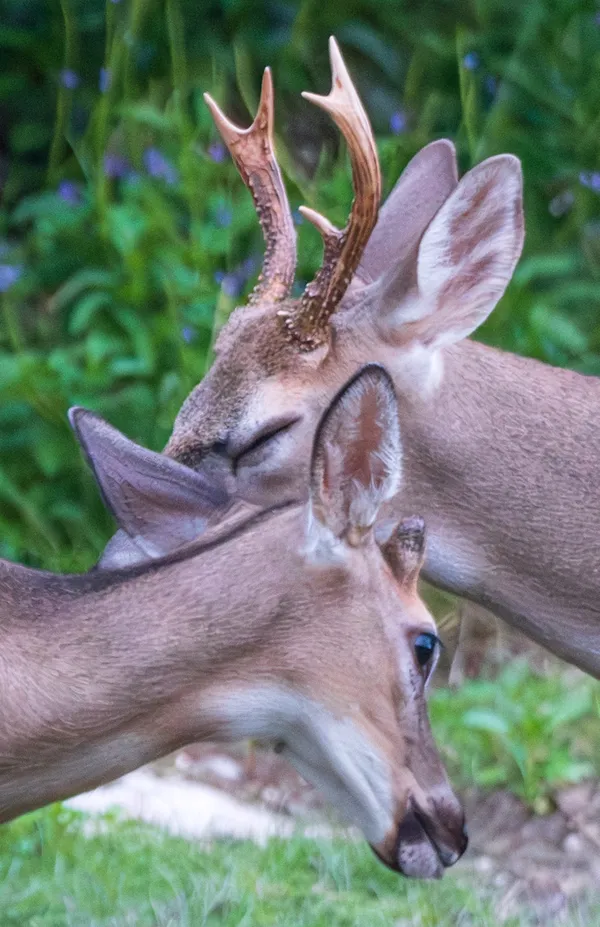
(425, 843)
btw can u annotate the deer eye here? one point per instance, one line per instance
(260, 440)
(426, 649)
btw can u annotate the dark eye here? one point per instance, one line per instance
(261, 439)
(426, 646)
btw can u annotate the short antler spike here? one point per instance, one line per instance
(307, 324)
(254, 156)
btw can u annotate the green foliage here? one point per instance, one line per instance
(53, 875)
(528, 733)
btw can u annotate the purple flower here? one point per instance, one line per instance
(224, 216)
(69, 79)
(231, 285)
(157, 166)
(104, 80)
(248, 268)
(471, 61)
(217, 152)
(9, 274)
(297, 217)
(219, 277)
(590, 179)
(398, 122)
(115, 165)
(69, 192)
(491, 85)
(188, 334)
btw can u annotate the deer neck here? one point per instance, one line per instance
(99, 676)
(503, 462)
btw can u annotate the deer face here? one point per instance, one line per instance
(341, 692)
(333, 648)
(393, 289)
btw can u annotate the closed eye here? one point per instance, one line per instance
(261, 438)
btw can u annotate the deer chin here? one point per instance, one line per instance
(329, 752)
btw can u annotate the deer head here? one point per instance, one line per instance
(323, 647)
(395, 288)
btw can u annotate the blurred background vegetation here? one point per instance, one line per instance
(126, 237)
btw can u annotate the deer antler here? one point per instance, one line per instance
(307, 324)
(254, 156)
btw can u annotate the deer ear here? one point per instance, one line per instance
(356, 459)
(464, 261)
(158, 503)
(423, 187)
(469, 252)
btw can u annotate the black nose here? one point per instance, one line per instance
(446, 831)
(450, 854)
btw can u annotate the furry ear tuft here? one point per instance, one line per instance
(356, 461)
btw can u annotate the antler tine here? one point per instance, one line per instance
(308, 324)
(254, 156)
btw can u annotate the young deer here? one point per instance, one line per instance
(502, 453)
(293, 626)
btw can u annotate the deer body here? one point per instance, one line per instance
(87, 695)
(295, 626)
(509, 486)
(134, 691)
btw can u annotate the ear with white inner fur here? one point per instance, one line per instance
(469, 252)
(464, 262)
(356, 460)
(159, 503)
(423, 187)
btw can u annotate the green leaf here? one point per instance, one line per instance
(484, 720)
(85, 279)
(86, 310)
(561, 330)
(577, 705)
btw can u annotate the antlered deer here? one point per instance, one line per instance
(502, 453)
(293, 625)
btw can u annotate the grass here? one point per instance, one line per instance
(524, 732)
(53, 875)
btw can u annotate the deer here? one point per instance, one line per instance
(502, 453)
(299, 625)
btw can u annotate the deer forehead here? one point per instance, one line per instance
(255, 369)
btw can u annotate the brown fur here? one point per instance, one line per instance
(501, 453)
(103, 672)
(501, 461)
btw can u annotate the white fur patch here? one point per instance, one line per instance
(470, 249)
(329, 752)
